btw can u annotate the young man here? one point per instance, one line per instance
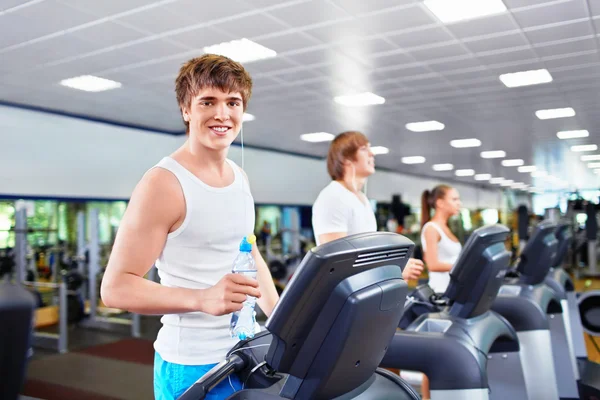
(188, 215)
(341, 209)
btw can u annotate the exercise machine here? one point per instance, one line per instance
(16, 313)
(536, 312)
(320, 342)
(450, 338)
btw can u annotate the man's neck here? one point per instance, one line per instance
(201, 157)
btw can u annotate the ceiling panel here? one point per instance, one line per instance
(397, 19)
(422, 37)
(483, 26)
(251, 26)
(552, 13)
(63, 16)
(553, 33)
(304, 14)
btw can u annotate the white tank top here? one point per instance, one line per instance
(197, 255)
(448, 252)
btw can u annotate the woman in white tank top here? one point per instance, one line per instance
(440, 247)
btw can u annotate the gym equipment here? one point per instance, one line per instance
(98, 316)
(16, 314)
(45, 315)
(452, 345)
(536, 313)
(559, 281)
(591, 232)
(523, 226)
(320, 342)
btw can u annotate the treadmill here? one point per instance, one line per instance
(560, 281)
(536, 312)
(330, 329)
(451, 345)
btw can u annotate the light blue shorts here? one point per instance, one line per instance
(172, 380)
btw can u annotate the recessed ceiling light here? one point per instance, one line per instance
(594, 165)
(425, 126)
(376, 150)
(555, 113)
(242, 50)
(493, 154)
(572, 134)
(465, 172)
(317, 137)
(539, 174)
(496, 181)
(526, 78)
(360, 99)
(512, 163)
(90, 83)
(483, 177)
(443, 167)
(507, 182)
(464, 143)
(584, 147)
(413, 160)
(458, 10)
(248, 117)
(519, 185)
(591, 157)
(527, 168)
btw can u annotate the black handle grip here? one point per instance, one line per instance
(212, 378)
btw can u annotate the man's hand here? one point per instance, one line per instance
(228, 295)
(413, 269)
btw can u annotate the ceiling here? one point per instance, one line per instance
(398, 49)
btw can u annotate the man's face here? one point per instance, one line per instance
(215, 117)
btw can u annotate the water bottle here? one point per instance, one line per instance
(243, 321)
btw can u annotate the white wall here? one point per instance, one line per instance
(43, 154)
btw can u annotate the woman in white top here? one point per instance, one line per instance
(440, 247)
(342, 209)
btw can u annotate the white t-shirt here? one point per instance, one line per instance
(339, 210)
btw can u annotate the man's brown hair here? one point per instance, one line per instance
(342, 148)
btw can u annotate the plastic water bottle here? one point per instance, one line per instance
(243, 321)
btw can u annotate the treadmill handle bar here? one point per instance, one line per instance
(212, 378)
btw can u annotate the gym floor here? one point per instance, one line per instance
(100, 365)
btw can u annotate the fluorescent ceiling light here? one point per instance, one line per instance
(242, 50)
(458, 10)
(248, 117)
(90, 83)
(425, 126)
(507, 182)
(483, 177)
(465, 172)
(539, 174)
(360, 99)
(379, 150)
(496, 181)
(519, 185)
(526, 78)
(443, 167)
(493, 154)
(584, 147)
(555, 113)
(512, 163)
(464, 143)
(594, 165)
(527, 168)
(591, 157)
(572, 134)
(317, 137)
(413, 160)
